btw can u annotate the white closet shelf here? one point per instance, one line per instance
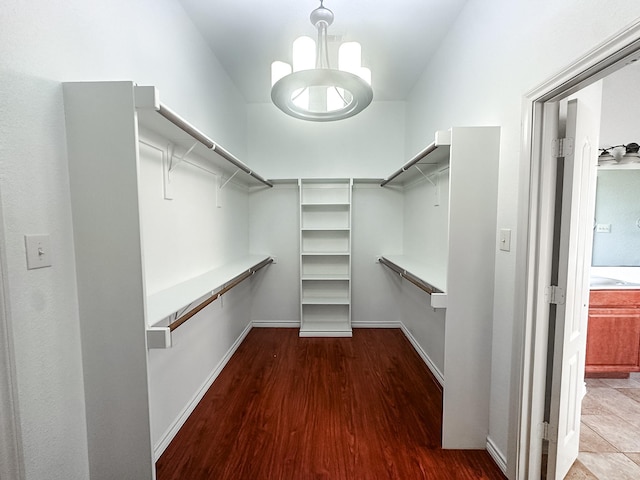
(325, 229)
(157, 117)
(326, 329)
(326, 276)
(424, 163)
(325, 204)
(417, 273)
(163, 304)
(325, 301)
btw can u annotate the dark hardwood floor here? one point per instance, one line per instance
(290, 408)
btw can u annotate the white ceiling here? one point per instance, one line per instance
(398, 37)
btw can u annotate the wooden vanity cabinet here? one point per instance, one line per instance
(613, 335)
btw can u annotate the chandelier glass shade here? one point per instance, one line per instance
(309, 89)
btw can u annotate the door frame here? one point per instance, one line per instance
(534, 247)
(10, 434)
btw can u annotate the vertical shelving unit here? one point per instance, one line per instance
(459, 272)
(325, 257)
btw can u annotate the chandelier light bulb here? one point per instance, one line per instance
(304, 54)
(279, 70)
(350, 57)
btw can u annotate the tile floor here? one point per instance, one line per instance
(610, 431)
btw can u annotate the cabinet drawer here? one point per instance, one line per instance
(614, 298)
(613, 337)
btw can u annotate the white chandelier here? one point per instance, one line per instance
(312, 90)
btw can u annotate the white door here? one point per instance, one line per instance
(572, 257)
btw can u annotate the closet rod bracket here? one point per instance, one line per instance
(180, 159)
(229, 179)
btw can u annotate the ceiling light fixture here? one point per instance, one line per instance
(310, 89)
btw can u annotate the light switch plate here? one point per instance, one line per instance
(505, 239)
(38, 249)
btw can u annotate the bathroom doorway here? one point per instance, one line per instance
(610, 413)
(544, 258)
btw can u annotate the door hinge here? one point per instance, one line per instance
(563, 147)
(548, 432)
(555, 295)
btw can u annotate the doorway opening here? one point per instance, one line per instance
(557, 195)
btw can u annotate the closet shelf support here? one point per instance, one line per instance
(180, 159)
(147, 97)
(229, 179)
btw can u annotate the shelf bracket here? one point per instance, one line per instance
(181, 159)
(169, 163)
(167, 155)
(424, 175)
(436, 185)
(219, 201)
(229, 179)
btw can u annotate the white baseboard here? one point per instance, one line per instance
(171, 432)
(278, 324)
(432, 366)
(376, 325)
(497, 455)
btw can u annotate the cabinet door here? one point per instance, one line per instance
(613, 338)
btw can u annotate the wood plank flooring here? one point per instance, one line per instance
(290, 408)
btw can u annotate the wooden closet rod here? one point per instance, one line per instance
(419, 156)
(181, 123)
(418, 282)
(236, 281)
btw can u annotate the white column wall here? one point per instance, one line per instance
(495, 52)
(43, 43)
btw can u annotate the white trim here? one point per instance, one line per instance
(276, 324)
(498, 457)
(594, 65)
(432, 366)
(171, 432)
(376, 324)
(12, 464)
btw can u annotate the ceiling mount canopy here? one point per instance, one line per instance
(310, 89)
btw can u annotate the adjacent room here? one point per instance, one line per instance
(228, 252)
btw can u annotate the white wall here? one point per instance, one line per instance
(377, 226)
(183, 238)
(43, 43)
(274, 230)
(620, 123)
(369, 145)
(496, 52)
(426, 228)
(376, 229)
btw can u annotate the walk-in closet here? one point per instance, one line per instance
(182, 249)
